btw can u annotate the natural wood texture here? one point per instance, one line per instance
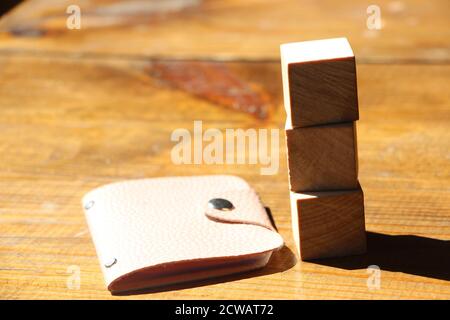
(319, 82)
(323, 92)
(76, 113)
(69, 125)
(228, 30)
(328, 224)
(213, 82)
(321, 102)
(323, 157)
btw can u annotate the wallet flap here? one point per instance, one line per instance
(246, 208)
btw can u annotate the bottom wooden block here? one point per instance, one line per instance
(328, 224)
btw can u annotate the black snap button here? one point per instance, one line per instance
(220, 204)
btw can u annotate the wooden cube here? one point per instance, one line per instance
(322, 158)
(328, 224)
(319, 82)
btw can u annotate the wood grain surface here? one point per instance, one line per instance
(319, 82)
(328, 224)
(323, 158)
(323, 92)
(71, 121)
(229, 30)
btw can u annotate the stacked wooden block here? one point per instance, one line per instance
(321, 101)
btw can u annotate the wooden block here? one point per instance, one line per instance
(319, 82)
(328, 224)
(323, 158)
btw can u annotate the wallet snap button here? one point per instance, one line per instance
(220, 204)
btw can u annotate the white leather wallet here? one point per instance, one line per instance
(163, 231)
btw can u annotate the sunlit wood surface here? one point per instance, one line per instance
(80, 108)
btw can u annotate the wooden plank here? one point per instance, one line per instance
(228, 30)
(68, 125)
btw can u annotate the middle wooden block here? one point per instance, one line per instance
(323, 158)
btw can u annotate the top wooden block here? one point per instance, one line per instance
(319, 82)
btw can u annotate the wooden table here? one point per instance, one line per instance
(81, 108)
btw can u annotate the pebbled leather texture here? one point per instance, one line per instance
(159, 231)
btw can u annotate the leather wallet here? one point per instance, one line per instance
(165, 231)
